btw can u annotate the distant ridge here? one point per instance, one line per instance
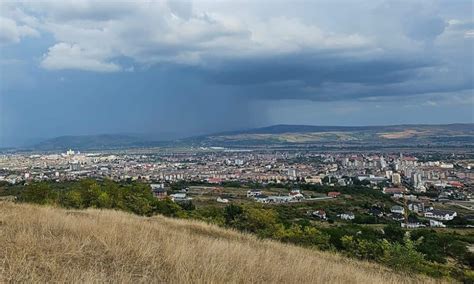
(407, 134)
(94, 142)
(297, 128)
(456, 134)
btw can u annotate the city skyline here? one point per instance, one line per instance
(75, 68)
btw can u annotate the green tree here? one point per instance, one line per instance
(40, 193)
(212, 214)
(167, 208)
(232, 213)
(260, 221)
(103, 200)
(90, 192)
(393, 233)
(402, 257)
(306, 236)
(429, 245)
(361, 248)
(72, 199)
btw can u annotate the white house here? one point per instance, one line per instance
(280, 199)
(347, 216)
(254, 192)
(179, 197)
(416, 207)
(412, 225)
(262, 198)
(296, 194)
(313, 180)
(397, 209)
(222, 200)
(437, 224)
(445, 215)
(320, 214)
(157, 185)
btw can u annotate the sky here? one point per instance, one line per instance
(182, 68)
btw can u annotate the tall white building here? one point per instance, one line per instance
(292, 172)
(396, 178)
(416, 180)
(383, 164)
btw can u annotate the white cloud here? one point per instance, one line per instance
(72, 56)
(178, 32)
(430, 103)
(469, 34)
(11, 32)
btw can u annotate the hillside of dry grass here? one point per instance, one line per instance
(44, 244)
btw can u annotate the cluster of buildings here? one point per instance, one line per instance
(415, 180)
(213, 167)
(452, 176)
(398, 174)
(420, 206)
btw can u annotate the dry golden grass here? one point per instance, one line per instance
(44, 244)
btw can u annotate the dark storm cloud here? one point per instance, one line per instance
(315, 70)
(330, 77)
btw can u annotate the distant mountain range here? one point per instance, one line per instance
(436, 135)
(95, 142)
(448, 134)
(288, 128)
